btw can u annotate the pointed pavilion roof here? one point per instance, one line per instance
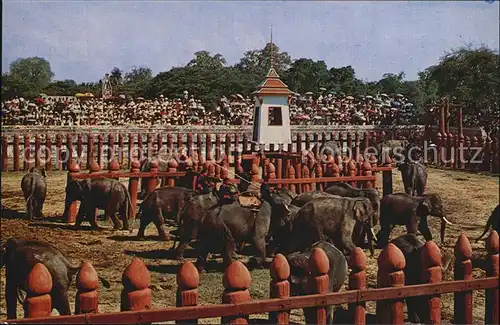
(272, 85)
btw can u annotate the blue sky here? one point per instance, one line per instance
(85, 39)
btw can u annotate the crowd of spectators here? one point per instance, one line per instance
(308, 109)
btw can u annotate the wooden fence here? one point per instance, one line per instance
(237, 305)
(307, 177)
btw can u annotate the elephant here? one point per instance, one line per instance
(412, 211)
(146, 167)
(102, 193)
(19, 257)
(305, 197)
(337, 274)
(346, 190)
(493, 222)
(414, 176)
(168, 200)
(330, 218)
(410, 245)
(34, 188)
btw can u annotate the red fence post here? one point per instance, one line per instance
(319, 174)
(351, 172)
(69, 146)
(71, 216)
(463, 271)
(318, 266)
(27, 152)
(493, 266)
(150, 145)
(100, 149)
(188, 280)
(130, 150)
(430, 256)
(217, 154)
(357, 281)
(38, 302)
(133, 186)
(153, 181)
(94, 168)
(87, 297)
(159, 143)
(5, 147)
(16, 152)
(367, 171)
(37, 151)
(236, 282)
(111, 147)
(291, 175)
(90, 149)
(140, 149)
(79, 149)
(280, 287)
(136, 294)
(122, 148)
(208, 147)
(391, 263)
(245, 143)
(227, 146)
(114, 167)
(59, 152)
(172, 168)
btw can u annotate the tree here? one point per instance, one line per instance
(258, 62)
(391, 83)
(307, 75)
(344, 80)
(116, 76)
(136, 81)
(204, 60)
(27, 77)
(470, 76)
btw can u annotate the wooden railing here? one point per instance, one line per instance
(237, 304)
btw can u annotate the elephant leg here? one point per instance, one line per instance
(126, 225)
(116, 223)
(142, 228)
(383, 235)
(61, 301)
(92, 215)
(80, 215)
(260, 246)
(179, 251)
(201, 261)
(159, 222)
(423, 227)
(40, 209)
(11, 300)
(346, 235)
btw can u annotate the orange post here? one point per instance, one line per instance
(280, 287)
(366, 167)
(38, 302)
(16, 152)
(71, 217)
(172, 168)
(493, 267)
(136, 294)
(430, 256)
(318, 266)
(133, 186)
(463, 271)
(291, 175)
(48, 152)
(305, 174)
(87, 297)
(391, 263)
(37, 151)
(5, 145)
(152, 181)
(357, 281)
(94, 168)
(188, 280)
(236, 283)
(27, 152)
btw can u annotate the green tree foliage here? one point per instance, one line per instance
(307, 75)
(27, 77)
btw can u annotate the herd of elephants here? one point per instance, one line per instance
(278, 221)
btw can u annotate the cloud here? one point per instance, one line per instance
(83, 40)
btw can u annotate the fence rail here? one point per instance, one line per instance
(237, 305)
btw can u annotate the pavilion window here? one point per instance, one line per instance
(275, 116)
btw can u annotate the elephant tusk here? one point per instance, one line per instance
(446, 220)
(373, 234)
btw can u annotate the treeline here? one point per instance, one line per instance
(467, 75)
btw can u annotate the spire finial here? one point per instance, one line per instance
(271, 52)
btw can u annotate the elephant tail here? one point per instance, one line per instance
(21, 295)
(29, 200)
(486, 228)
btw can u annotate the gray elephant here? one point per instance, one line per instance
(337, 274)
(414, 175)
(412, 211)
(146, 167)
(410, 245)
(493, 222)
(301, 199)
(101, 193)
(20, 256)
(330, 218)
(163, 200)
(34, 188)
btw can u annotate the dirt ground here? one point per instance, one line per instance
(469, 200)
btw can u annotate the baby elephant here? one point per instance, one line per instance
(34, 189)
(337, 274)
(493, 222)
(20, 256)
(410, 245)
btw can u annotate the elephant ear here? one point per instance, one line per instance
(359, 210)
(425, 206)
